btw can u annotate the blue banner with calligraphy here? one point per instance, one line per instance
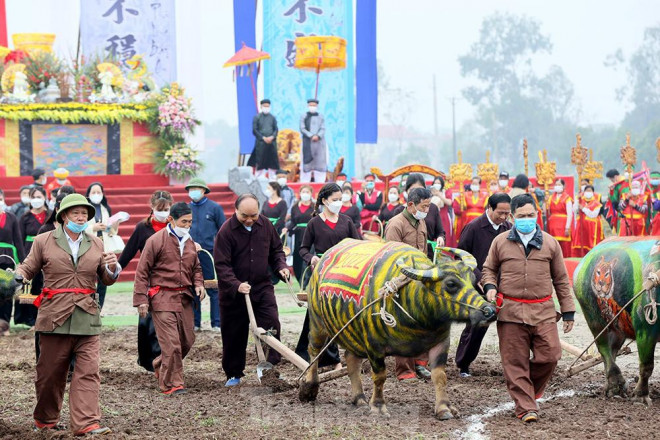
(289, 88)
(124, 28)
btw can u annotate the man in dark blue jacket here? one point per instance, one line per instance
(208, 217)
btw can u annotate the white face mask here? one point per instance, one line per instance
(249, 228)
(493, 189)
(419, 215)
(265, 110)
(51, 204)
(311, 108)
(305, 197)
(340, 183)
(503, 183)
(435, 200)
(474, 188)
(96, 198)
(3, 206)
(282, 181)
(437, 186)
(60, 181)
(345, 197)
(635, 191)
(559, 189)
(25, 200)
(37, 203)
(269, 193)
(588, 194)
(392, 197)
(161, 216)
(181, 232)
(334, 207)
(582, 188)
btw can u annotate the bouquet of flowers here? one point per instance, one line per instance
(40, 68)
(179, 161)
(175, 114)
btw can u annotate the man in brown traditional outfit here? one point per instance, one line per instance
(521, 271)
(69, 317)
(168, 277)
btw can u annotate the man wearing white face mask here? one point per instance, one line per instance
(409, 227)
(312, 127)
(264, 157)
(209, 217)
(167, 279)
(160, 203)
(287, 193)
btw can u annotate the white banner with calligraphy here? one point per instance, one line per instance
(125, 28)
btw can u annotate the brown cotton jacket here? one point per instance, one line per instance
(529, 277)
(67, 313)
(162, 265)
(407, 229)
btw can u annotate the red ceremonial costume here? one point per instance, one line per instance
(560, 214)
(655, 200)
(588, 230)
(633, 220)
(474, 207)
(371, 203)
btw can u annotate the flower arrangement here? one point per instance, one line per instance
(173, 119)
(179, 161)
(40, 68)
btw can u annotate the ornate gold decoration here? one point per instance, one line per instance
(657, 147)
(404, 170)
(289, 149)
(629, 157)
(592, 170)
(579, 156)
(459, 173)
(488, 171)
(545, 172)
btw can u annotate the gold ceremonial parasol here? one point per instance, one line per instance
(318, 53)
(460, 172)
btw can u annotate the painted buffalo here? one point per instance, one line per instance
(607, 278)
(348, 278)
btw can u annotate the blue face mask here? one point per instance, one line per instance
(75, 227)
(525, 225)
(655, 182)
(195, 194)
(371, 185)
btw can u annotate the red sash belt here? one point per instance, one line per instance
(501, 297)
(47, 293)
(155, 289)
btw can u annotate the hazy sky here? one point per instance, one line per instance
(416, 39)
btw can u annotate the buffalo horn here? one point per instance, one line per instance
(464, 256)
(431, 274)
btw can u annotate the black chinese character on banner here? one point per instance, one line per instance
(119, 8)
(301, 6)
(122, 46)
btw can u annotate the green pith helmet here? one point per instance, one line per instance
(199, 183)
(71, 201)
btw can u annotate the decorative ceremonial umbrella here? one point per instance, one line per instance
(243, 61)
(320, 53)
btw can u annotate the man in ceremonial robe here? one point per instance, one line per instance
(264, 156)
(314, 155)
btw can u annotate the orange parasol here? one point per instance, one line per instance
(320, 53)
(243, 61)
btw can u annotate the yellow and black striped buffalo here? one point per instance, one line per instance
(348, 277)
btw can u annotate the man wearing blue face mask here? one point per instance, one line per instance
(524, 266)
(209, 216)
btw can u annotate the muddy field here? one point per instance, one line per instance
(133, 408)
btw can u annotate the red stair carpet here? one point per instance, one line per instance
(130, 194)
